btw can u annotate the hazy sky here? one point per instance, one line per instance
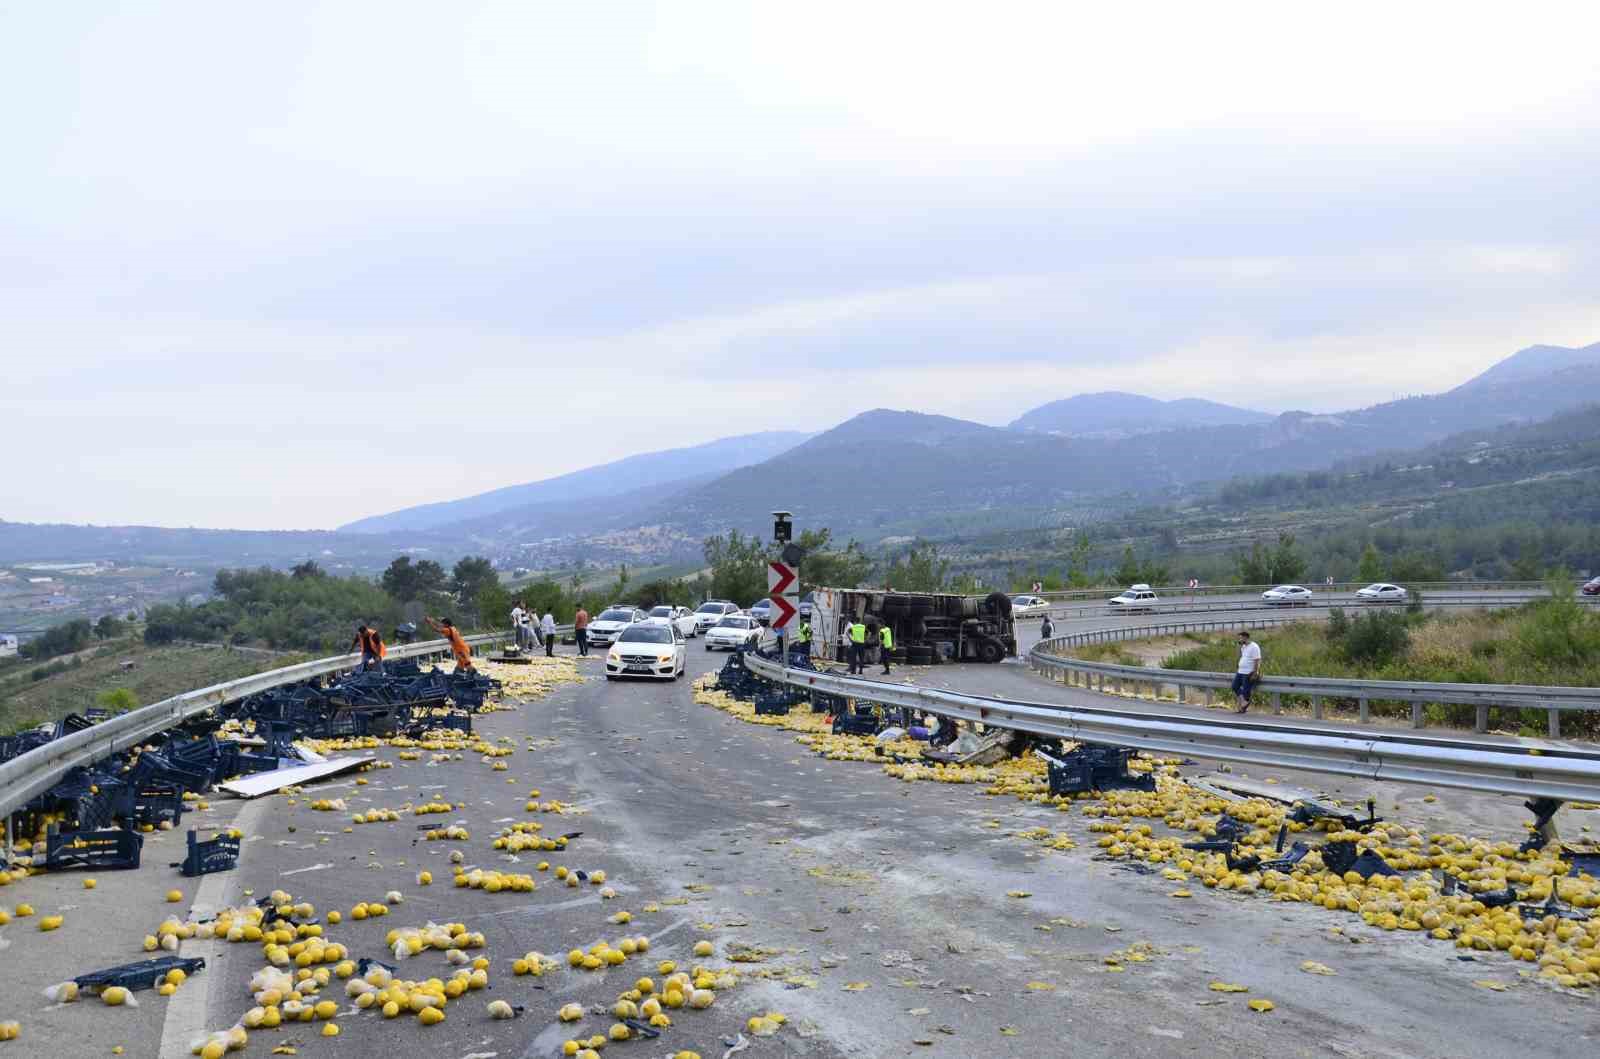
(287, 264)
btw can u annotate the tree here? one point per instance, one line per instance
(405, 580)
(919, 570)
(118, 700)
(307, 569)
(471, 576)
(1371, 568)
(738, 566)
(109, 627)
(827, 567)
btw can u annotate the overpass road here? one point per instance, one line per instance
(875, 912)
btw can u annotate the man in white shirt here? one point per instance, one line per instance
(548, 627)
(1247, 672)
(519, 623)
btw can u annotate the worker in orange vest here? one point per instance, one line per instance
(458, 646)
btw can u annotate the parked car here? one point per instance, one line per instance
(604, 629)
(761, 610)
(1591, 587)
(682, 617)
(734, 631)
(712, 611)
(1287, 596)
(1137, 597)
(1029, 606)
(1381, 592)
(651, 648)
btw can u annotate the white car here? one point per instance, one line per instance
(1381, 592)
(682, 617)
(734, 631)
(650, 648)
(1137, 597)
(1287, 596)
(1029, 606)
(604, 629)
(712, 611)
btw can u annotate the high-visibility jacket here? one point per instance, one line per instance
(858, 632)
(887, 637)
(805, 632)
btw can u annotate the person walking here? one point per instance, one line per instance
(858, 645)
(580, 631)
(548, 626)
(458, 647)
(1248, 672)
(885, 644)
(1046, 628)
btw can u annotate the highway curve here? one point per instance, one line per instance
(875, 913)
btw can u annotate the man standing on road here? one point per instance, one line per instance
(548, 627)
(580, 631)
(518, 629)
(858, 645)
(1046, 628)
(1248, 672)
(802, 641)
(886, 644)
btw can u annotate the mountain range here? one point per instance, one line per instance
(887, 473)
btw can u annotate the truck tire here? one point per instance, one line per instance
(990, 650)
(998, 602)
(919, 655)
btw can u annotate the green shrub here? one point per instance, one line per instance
(1375, 639)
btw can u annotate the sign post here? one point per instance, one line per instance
(783, 581)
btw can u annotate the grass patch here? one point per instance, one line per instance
(1547, 642)
(157, 673)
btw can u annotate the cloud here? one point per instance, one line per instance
(245, 255)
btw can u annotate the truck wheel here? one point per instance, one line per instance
(990, 651)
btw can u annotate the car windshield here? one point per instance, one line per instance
(661, 612)
(646, 634)
(710, 608)
(734, 623)
(616, 615)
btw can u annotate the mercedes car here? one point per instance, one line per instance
(652, 648)
(604, 629)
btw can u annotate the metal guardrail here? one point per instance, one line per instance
(1080, 594)
(1205, 606)
(1521, 770)
(29, 775)
(1049, 658)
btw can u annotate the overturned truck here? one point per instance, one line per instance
(928, 627)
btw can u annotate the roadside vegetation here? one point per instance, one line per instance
(1554, 641)
(121, 675)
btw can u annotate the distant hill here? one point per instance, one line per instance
(1117, 414)
(1533, 362)
(610, 479)
(888, 473)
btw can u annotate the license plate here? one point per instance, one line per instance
(636, 669)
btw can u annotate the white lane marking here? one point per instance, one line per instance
(313, 867)
(187, 1009)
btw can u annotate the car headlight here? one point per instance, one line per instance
(667, 657)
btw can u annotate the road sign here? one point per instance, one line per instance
(783, 588)
(783, 612)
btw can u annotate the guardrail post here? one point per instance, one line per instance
(1277, 703)
(1316, 707)
(1417, 718)
(1366, 709)
(1555, 722)
(1480, 721)
(1208, 698)
(1182, 694)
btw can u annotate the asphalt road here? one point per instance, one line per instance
(881, 907)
